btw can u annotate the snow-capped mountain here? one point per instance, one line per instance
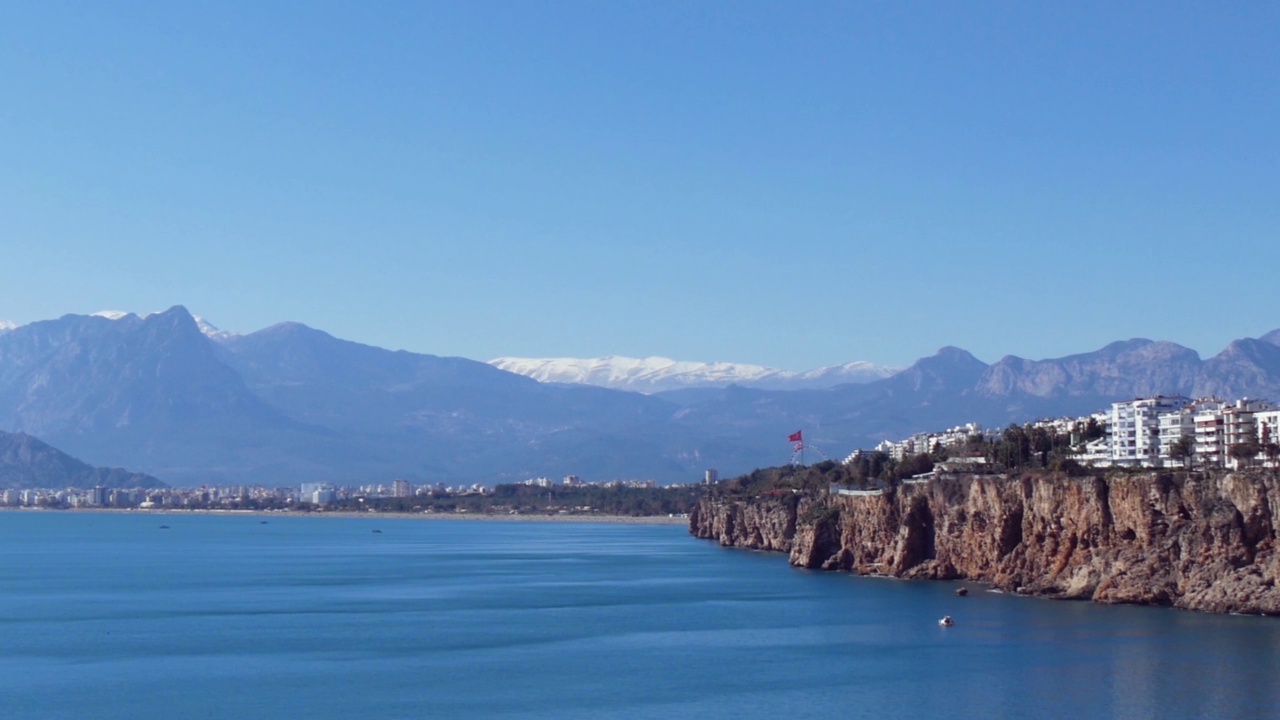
(657, 374)
(116, 314)
(7, 325)
(213, 331)
(290, 404)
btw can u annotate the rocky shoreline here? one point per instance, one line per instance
(1197, 541)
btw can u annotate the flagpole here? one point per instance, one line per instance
(797, 448)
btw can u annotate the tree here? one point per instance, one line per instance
(914, 465)
(1041, 443)
(877, 464)
(1184, 449)
(1093, 430)
(1014, 449)
(1272, 451)
(1270, 447)
(1244, 452)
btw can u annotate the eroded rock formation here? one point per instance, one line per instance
(1190, 540)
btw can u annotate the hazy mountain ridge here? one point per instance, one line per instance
(1132, 367)
(165, 394)
(659, 374)
(143, 392)
(290, 403)
(27, 462)
(953, 387)
(282, 362)
(1247, 367)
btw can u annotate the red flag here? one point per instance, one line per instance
(797, 436)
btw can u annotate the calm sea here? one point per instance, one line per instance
(110, 616)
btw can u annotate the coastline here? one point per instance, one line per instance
(1195, 541)
(597, 519)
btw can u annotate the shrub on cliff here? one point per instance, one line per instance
(787, 477)
(819, 513)
(1069, 467)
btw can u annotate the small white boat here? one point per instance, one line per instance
(946, 621)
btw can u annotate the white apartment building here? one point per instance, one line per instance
(1134, 428)
(1239, 426)
(1238, 421)
(1268, 425)
(1173, 427)
(1210, 449)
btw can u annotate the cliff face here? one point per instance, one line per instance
(765, 523)
(1190, 541)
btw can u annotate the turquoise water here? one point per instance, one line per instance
(109, 616)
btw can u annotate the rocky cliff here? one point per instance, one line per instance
(1189, 540)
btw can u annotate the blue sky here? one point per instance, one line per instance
(789, 184)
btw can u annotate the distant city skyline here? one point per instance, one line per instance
(788, 186)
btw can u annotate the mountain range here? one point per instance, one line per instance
(658, 374)
(169, 395)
